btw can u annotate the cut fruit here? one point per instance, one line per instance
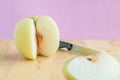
(25, 39)
(99, 67)
(46, 27)
(36, 35)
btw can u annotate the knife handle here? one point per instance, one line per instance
(65, 45)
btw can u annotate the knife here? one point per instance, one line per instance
(79, 50)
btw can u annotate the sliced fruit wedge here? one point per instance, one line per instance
(25, 39)
(95, 67)
(48, 30)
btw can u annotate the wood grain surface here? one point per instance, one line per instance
(13, 66)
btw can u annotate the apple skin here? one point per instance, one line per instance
(25, 42)
(65, 72)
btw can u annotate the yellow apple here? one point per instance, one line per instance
(36, 35)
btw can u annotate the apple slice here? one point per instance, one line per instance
(36, 35)
(25, 39)
(95, 67)
(47, 29)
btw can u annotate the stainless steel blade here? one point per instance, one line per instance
(83, 50)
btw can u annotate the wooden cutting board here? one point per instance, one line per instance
(13, 66)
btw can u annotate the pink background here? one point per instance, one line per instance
(76, 19)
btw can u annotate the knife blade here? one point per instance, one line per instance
(80, 50)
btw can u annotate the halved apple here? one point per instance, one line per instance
(36, 35)
(95, 67)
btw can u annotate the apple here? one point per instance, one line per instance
(37, 35)
(94, 67)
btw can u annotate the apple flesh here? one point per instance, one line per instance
(36, 35)
(48, 42)
(95, 67)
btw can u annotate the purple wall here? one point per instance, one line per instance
(76, 19)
